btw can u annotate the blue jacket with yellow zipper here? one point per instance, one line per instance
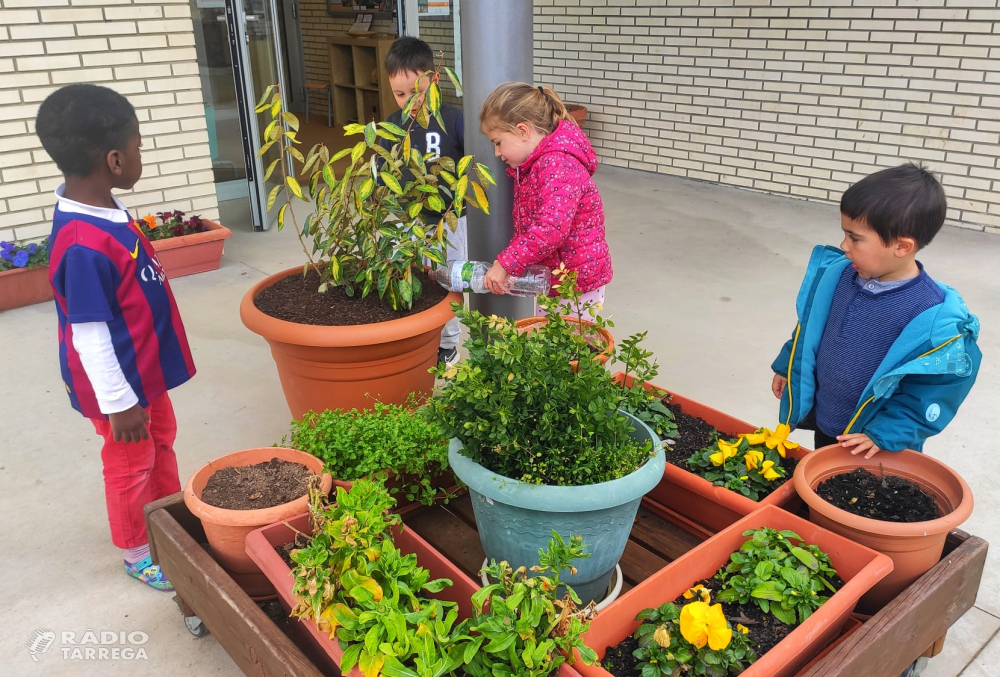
(918, 387)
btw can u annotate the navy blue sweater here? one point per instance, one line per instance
(861, 328)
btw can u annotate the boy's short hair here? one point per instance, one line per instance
(903, 201)
(80, 124)
(409, 55)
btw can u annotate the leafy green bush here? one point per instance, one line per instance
(522, 410)
(783, 578)
(521, 627)
(355, 444)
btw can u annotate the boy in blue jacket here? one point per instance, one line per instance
(882, 355)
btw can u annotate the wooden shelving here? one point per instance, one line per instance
(360, 85)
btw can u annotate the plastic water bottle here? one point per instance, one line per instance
(464, 276)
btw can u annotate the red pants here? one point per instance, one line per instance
(138, 473)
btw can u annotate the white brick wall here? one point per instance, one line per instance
(797, 97)
(140, 48)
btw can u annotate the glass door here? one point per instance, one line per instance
(254, 42)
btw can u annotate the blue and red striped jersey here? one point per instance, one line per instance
(105, 271)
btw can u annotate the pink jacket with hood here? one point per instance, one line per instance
(558, 214)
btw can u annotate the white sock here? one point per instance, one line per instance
(133, 555)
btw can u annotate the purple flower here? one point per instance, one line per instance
(32, 247)
(6, 246)
(21, 259)
(5, 254)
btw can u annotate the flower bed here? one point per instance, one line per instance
(699, 500)
(24, 274)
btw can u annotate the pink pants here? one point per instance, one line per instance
(138, 473)
(592, 296)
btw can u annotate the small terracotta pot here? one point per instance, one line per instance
(195, 253)
(227, 530)
(857, 565)
(527, 324)
(697, 499)
(914, 547)
(24, 287)
(354, 366)
(578, 112)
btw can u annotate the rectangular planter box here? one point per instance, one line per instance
(697, 499)
(857, 565)
(261, 545)
(190, 254)
(24, 287)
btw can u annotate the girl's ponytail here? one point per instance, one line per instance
(515, 102)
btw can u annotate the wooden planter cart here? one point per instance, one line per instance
(886, 644)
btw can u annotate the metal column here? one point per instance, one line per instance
(497, 43)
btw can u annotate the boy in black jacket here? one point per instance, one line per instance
(406, 62)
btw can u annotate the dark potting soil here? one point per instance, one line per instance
(693, 434)
(893, 499)
(765, 631)
(251, 487)
(295, 299)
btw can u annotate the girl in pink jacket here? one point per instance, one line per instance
(558, 215)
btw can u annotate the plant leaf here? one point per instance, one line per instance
(392, 182)
(480, 197)
(294, 186)
(272, 196)
(454, 80)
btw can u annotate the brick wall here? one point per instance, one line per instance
(794, 97)
(142, 49)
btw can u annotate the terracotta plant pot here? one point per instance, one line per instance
(227, 530)
(578, 112)
(350, 367)
(24, 287)
(195, 253)
(914, 547)
(261, 544)
(527, 324)
(857, 565)
(846, 631)
(696, 498)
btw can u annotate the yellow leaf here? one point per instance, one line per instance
(463, 164)
(357, 152)
(480, 196)
(294, 186)
(281, 216)
(272, 197)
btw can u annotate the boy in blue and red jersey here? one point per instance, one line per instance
(121, 342)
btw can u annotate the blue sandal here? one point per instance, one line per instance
(149, 573)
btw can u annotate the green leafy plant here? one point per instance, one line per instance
(356, 585)
(645, 405)
(388, 437)
(20, 255)
(740, 465)
(522, 410)
(521, 628)
(780, 573)
(714, 648)
(368, 231)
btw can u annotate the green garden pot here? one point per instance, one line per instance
(516, 519)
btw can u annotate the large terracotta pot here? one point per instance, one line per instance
(195, 253)
(350, 367)
(227, 530)
(697, 499)
(261, 546)
(24, 287)
(578, 112)
(858, 566)
(914, 547)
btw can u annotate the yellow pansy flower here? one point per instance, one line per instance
(753, 459)
(768, 471)
(702, 624)
(779, 440)
(662, 636)
(757, 437)
(742, 628)
(725, 452)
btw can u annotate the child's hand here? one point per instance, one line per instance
(860, 442)
(130, 425)
(496, 279)
(778, 384)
